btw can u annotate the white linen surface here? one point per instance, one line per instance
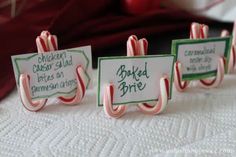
(196, 123)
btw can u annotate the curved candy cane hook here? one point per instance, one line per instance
(219, 76)
(26, 97)
(47, 42)
(162, 100)
(137, 47)
(111, 111)
(81, 88)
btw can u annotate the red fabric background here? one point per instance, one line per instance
(78, 23)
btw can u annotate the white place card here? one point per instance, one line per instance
(200, 57)
(135, 79)
(53, 74)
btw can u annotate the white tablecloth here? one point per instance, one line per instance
(196, 123)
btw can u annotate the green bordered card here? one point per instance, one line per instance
(135, 79)
(53, 74)
(199, 57)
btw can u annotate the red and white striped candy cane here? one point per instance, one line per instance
(42, 42)
(24, 89)
(24, 80)
(137, 47)
(119, 110)
(195, 31)
(181, 85)
(162, 99)
(81, 88)
(203, 34)
(47, 42)
(132, 45)
(218, 78)
(110, 109)
(204, 30)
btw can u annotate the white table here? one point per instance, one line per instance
(196, 123)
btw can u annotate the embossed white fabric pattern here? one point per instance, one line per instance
(196, 123)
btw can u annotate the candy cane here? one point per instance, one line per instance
(203, 34)
(109, 108)
(24, 89)
(25, 96)
(46, 42)
(52, 43)
(181, 85)
(143, 47)
(137, 47)
(194, 31)
(204, 29)
(81, 88)
(132, 45)
(41, 43)
(219, 77)
(162, 100)
(43, 46)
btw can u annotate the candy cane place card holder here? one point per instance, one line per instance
(200, 58)
(65, 74)
(135, 79)
(46, 43)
